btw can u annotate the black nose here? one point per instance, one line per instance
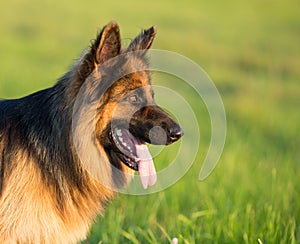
(174, 134)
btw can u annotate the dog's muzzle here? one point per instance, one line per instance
(155, 126)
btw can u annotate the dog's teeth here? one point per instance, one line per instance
(129, 148)
(119, 132)
(120, 139)
(136, 159)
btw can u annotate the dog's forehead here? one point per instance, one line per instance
(140, 78)
(135, 73)
(137, 62)
(135, 80)
(140, 67)
(131, 82)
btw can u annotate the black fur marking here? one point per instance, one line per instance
(40, 125)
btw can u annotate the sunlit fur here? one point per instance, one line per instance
(59, 166)
(47, 194)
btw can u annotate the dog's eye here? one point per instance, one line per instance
(133, 99)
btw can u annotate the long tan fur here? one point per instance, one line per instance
(59, 165)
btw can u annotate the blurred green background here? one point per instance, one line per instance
(251, 51)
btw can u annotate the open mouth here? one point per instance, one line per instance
(134, 153)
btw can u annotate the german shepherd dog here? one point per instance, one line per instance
(66, 150)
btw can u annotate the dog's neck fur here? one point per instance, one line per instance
(46, 194)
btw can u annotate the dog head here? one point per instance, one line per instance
(127, 115)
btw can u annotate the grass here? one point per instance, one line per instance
(251, 51)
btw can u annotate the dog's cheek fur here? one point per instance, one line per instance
(121, 174)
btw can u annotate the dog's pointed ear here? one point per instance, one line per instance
(143, 41)
(108, 43)
(106, 46)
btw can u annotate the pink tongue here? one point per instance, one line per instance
(147, 170)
